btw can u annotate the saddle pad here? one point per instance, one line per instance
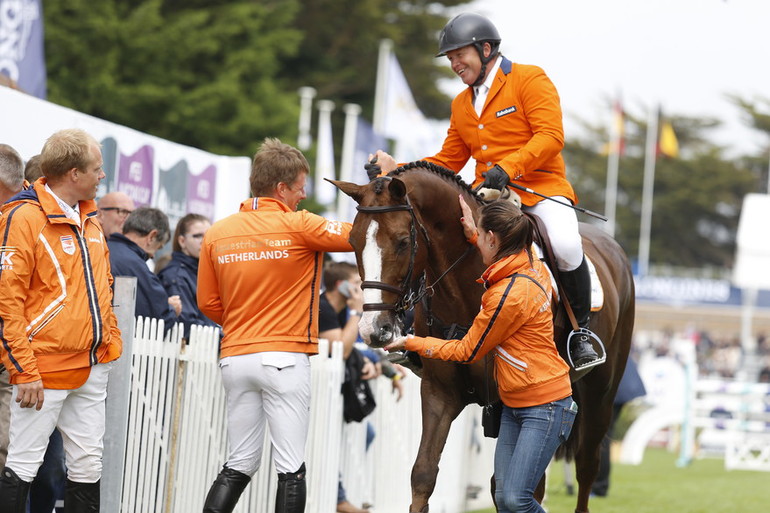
(597, 292)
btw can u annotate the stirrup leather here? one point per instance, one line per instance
(596, 342)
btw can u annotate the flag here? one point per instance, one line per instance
(325, 193)
(617, 142)
(668, 145)
(22, 57)
(396, 114)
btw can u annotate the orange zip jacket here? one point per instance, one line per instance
(259, 276)
(515, 322)
(56, 317)
(520, 129)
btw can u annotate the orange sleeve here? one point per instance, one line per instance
(17, 257)
(209, 301)
(500, 316)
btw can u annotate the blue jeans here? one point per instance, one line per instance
(527, 441)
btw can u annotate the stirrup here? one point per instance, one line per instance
(597, 342)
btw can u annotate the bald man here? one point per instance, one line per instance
(114, 208)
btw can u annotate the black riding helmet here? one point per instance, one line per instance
(470, 29)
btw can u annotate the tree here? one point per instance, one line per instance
(221, 76)
(697, 197)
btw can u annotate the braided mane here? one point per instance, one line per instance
(441, 171)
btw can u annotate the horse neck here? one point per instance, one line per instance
(435, 210)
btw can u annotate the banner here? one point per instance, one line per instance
(153, 171)
(22, 55)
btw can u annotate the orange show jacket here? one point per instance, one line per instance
(259, 276)
(516, 323)
(520, 129)
(56, 317)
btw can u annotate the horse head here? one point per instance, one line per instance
(406, 236)
(389, 249)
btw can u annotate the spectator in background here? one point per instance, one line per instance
(11, 183)
(180, 275)
(145, 231)
(59, 333)
(340, 308)
(32, 170)
(114, 208)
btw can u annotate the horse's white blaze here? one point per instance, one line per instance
(372, 263)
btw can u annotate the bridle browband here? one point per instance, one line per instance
(407, 297)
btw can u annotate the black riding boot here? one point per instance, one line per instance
(292, 491)
(578, 290)
(13, 492)
(225, 492)
(81, 497)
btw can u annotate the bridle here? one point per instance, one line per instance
(406, 294)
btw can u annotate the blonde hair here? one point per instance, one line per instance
(275, 162)
(65, 150)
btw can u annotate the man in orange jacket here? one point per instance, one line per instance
(509, 120)
(58, 333)
(258, 277)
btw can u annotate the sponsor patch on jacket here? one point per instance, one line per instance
(505, 111)
(6, 253)
(68, 244)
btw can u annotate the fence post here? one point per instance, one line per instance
(118, 390)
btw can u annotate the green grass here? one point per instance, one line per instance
(659, 486)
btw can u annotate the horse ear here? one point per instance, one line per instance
(397, 189)
(353, 190)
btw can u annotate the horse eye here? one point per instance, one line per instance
(402, 244)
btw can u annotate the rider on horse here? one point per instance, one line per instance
(509, 120)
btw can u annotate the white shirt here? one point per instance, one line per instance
(482, 90)
(71, 212)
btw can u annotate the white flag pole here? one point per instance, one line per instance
(306, 95)
(613, 163)
(648, 187)
(381, 85)
(352, 111)
(325, 193)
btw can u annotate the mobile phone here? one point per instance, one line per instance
(344, 288)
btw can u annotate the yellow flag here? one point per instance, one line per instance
(667, 143)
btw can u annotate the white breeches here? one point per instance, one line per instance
(562, 225)
(272, 387)
(79, 415)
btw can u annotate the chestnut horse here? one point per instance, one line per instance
(411, 252)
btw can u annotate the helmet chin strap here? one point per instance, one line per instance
(484, 62)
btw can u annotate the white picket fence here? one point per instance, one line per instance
(176, 438)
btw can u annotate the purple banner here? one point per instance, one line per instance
(201, 192)
(22, 56)
(135, 175)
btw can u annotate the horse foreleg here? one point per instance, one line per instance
(540, 490)
(437, 415)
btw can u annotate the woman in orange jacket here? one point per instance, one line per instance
(509, 120)
(516, 325)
